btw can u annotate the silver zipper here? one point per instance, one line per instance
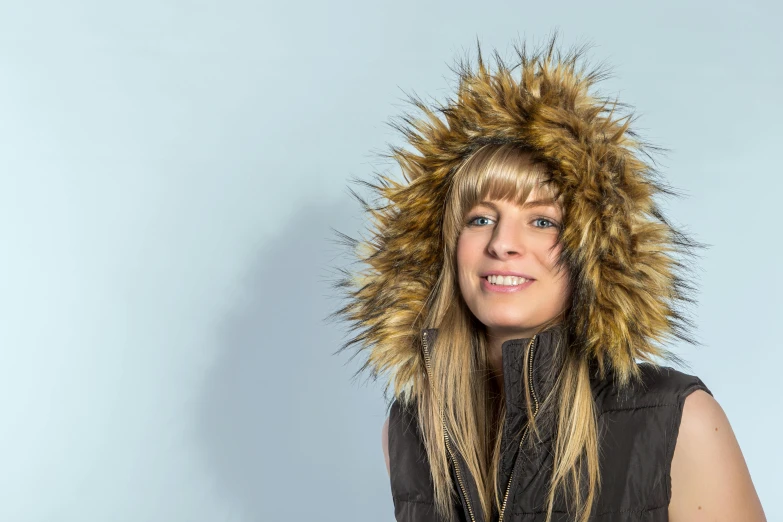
(527, 428)
(446, 433)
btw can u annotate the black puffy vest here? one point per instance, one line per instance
(637, 429)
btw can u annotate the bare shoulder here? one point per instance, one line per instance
(710, 479)
(385, 444)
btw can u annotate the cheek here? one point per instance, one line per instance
(560, 278)
(466, 258)
(563, 281)
(461, 257)
(553, 255)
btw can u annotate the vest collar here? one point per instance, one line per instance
(544, 367)
(547, 352)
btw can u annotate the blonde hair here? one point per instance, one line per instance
(460, 391)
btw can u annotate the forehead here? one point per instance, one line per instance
(527, 186)
(534, 201)
(502, 174)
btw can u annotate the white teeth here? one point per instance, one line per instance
(506, 280)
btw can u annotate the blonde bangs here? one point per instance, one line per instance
(494, 172)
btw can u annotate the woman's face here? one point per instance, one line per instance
(502, 238)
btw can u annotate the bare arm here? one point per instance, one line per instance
(710, 479)
(385, 444)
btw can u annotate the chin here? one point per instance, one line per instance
(510, 324)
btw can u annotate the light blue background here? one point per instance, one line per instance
(169, 172)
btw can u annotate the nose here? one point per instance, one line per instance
(508, 240)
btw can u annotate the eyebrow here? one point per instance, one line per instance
(528, 204)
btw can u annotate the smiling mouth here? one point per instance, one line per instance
(506, 280)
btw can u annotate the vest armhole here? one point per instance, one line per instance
(412, 487)
(409, 473)
(694, 385)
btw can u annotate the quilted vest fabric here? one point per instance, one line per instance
(637, 430)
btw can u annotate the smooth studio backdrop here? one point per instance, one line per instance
(169, 176)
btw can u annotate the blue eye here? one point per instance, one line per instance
(480, 221)
(551, 223)
(473, 221)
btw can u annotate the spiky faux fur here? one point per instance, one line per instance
(625, 259)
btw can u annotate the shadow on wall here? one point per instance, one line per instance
(284, 430)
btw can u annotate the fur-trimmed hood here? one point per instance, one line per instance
(627, 262)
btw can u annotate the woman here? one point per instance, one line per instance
(521, 288)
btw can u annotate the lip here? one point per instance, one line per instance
(506, 273)
(505, 289)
